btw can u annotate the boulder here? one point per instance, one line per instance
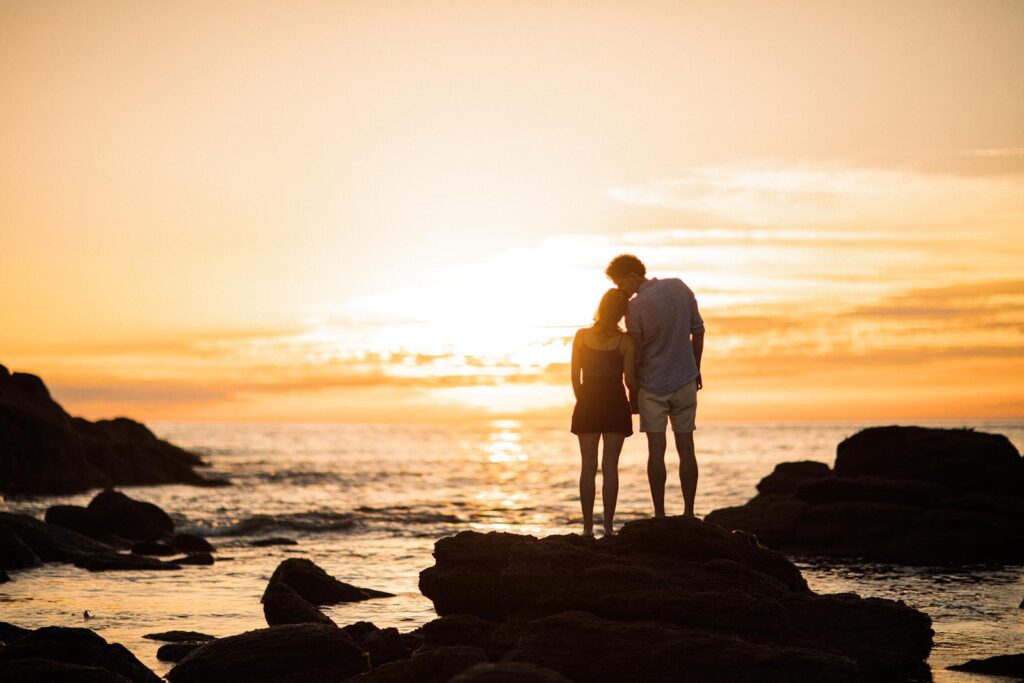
(317, 586)
(111, 561)
(295, 653)
(133, 519)
(153, 548)
(49, 671)
(384, 646)
(14, 553)
(43, 450)
(77, 518)
(80, 647)
(898, 494)
(10, 632)
(51, 543)
(190, 543)
(429, 666)
(282, 605)
(276, 540)
(673, 596)
(4, 576)
(1000, 665)
(509, 672)
(198, 559)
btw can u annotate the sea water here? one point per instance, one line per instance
(367, 502)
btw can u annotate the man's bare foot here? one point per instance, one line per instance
(588, 532)
(609, 531)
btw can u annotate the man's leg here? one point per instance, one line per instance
(687, 470)
(656, 470)
(588, 472)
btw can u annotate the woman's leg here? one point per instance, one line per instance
(610, 477)
(588, 471)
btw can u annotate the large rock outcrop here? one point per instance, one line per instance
(665, 599)
(43, 450)
(897, 494)
(56, 653)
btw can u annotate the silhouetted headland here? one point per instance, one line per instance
(45, 451)
(911, 495)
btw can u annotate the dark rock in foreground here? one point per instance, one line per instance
(105, 562)
(55, 653)
(14, 553)
(665, 599)
(1001, 665)
(316, 586)
(297, 653)
(897, 494)
(175, 652)
(276, 540)
(437, 665)
(51, 543)
(190, 543)
(4, 576)
(43, 450)
(509, 672)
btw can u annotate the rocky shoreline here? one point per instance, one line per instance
(45, 451)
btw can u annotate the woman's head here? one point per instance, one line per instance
(610, 310)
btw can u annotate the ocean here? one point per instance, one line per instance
(367, 502)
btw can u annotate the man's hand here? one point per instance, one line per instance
(700, 382)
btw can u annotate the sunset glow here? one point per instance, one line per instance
(375, 211)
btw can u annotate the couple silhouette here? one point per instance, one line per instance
(657, 359)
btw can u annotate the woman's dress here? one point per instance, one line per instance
(602, 405)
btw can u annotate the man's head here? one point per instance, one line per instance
(627, 272)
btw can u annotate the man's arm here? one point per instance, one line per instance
(697, 342)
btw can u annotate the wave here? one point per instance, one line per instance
(326, 521)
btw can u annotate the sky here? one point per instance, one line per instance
(393, 211)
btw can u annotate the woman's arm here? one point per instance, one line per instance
(629, 370)
(576, 366)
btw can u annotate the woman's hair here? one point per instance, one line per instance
(610, 310)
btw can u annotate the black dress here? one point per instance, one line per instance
(602, 405)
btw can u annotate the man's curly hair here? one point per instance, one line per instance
(623, 265)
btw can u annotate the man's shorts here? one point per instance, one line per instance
(680, 406)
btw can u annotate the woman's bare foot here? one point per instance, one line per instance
(609, 531)
(588, 532)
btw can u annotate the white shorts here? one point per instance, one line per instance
(680, 406)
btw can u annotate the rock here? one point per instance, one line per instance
(77, 646)
(431, 666)
(190, 543)
(312, 653)
(316, 586)
(276, 540)
(957, 459)
(49, 671)
(199, 559)
(4, 576)
(51, 543)
(383, 646)
(895, 496)
(509, 672)
(175, 652)
(151, 548)
(10, 632)
(359, 630)
(180, 637)
(282, 605)
(788, 475)
(1000, 665)
(133, 519)
(14, 553)
(43, 450)
(77, 518)
(711, 595)
(118, 561)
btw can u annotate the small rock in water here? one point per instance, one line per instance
(195, 559)
(180, 636)
(116, 561)
(1000, 665)
(317, 586)
(134, 519)
(282, 605)
(151, 548)
(190, 543)
(276, 540)
(175, 652)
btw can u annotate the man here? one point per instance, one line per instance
(669, 335)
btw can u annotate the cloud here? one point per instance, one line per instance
(788, 195)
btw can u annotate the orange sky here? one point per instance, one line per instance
(388, 211)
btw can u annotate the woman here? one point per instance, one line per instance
(602, 355)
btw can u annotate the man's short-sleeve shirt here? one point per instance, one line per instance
(661, 318)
